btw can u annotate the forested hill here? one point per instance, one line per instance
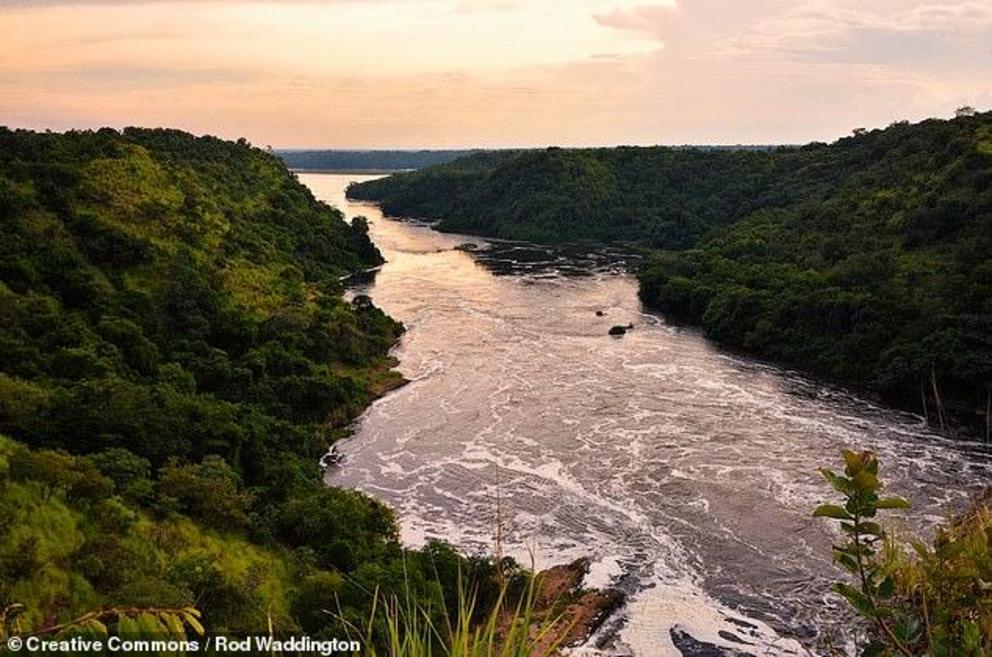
(866, 259)
(343, 160)
(175, 355)
(660, 197)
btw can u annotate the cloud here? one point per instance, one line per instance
(925, 36)
(836, 31)
(119, 78)
(645, 18)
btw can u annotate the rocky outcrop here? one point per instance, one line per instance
(565, 614)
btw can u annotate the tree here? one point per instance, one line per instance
(209, 490)
(130, 473)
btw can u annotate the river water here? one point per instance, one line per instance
(686, 473)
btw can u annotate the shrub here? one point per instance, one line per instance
(933, 601)
(210, 490)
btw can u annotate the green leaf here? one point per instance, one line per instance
(892, 503)
(192, 621)
(96, 629)
(832, 511)
(150, 626)
(174, 625)
(871, 529)
(840, 484)
(853, 462)
(856, 598)
(972, 636)
(127, 626)
(865, 481)
(907, 628)
(848, 562)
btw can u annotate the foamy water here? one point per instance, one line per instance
(687, 474)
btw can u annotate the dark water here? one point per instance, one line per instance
(686, 473)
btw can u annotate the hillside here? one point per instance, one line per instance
(368, 160)
(659, 197)
(175, 355)
(865, 260)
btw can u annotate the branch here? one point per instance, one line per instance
(102, 613)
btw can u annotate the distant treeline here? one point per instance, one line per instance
(866, 260)
(402, 160)
(333, 160)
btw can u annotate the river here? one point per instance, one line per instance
(686, 473)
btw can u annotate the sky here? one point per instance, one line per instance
(493, 73)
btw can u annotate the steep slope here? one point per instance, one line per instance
(880, 277)
(175, 355)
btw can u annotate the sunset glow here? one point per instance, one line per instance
(435, 73)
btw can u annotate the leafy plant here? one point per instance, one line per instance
(129, 622)
(516, 626)
(874, 587)
(930, 601)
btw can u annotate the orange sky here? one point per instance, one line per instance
(435, 73)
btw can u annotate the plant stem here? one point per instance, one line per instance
(866, 590)
(936, 396)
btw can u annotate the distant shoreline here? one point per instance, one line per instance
(356, 172)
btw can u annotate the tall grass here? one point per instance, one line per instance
(516, 626)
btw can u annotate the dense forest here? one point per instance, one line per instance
(175, 356)
(865, 260)
(335, 160)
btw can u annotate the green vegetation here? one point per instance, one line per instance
(513, 627)
(374, 160)
(657, 197)
(865, 260)
(929, 601)
(175, 356)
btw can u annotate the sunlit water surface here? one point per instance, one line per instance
(687, 474)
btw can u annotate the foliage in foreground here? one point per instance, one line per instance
(171, 629)
(933, 601)
(512, 627)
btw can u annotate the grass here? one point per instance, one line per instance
(512, 628)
